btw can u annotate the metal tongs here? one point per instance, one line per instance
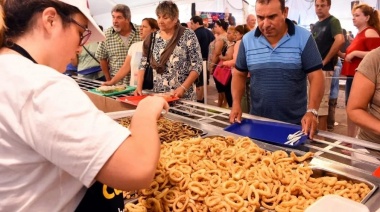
(294, 138)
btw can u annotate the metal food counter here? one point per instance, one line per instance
(326, 146)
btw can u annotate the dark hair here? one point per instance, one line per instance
(222, 23)
(197, 19)
(152, 23)
(282, 3)
(242, 29)
(20, 20)
(100, 27)
(327, 1)
(373, 14)
(123, 9)
(344, 31)
(168, 8)
(184, 24)
(346, 41)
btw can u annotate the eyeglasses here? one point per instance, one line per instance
(85, 35)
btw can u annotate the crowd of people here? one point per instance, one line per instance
(274, 69)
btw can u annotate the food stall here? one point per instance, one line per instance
(328, 161)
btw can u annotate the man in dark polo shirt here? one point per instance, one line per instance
(205, 37)
(328, 35)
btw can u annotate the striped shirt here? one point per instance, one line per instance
(115, 50)
(278, 75)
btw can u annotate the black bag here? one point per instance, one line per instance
(148, 75)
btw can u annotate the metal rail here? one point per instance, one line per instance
(328, 145)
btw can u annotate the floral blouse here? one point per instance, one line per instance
(185, 58)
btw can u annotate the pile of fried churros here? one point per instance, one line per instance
(227, 174)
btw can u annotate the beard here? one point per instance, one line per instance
(117, 29)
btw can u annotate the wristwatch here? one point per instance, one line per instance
(313, 111)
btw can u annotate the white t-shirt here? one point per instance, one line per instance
(53, 140)
(135, 51)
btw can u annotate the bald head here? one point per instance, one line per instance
(251, 21)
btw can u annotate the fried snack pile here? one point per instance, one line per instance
(226, 174)
(168, 130)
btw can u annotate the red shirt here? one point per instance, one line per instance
(360, 43)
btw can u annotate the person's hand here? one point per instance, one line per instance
(309, 124)
(138, 92)
(349, 57)
(235, 114)
(179, 92)
(152, 105)
(108, 83)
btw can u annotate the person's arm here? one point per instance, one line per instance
(123, 71)
(341, 54)
(105, 69)
(309, 121)
(186, 84)
(229, 54)
(102, 55)
(215, 56)
(339, 41)
(361, 93)
(239, 76)
(123, 170)
(371, 41)
(195, 56)
(312, 65)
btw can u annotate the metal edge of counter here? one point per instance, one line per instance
(318, 161)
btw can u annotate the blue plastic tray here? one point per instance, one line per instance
(271, 132)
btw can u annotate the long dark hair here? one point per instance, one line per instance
(242, 29)
(20, 14)
(222, 23)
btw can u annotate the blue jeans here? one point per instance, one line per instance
(335, 81)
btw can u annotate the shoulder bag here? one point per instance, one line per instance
(222, 73)
(148, 74)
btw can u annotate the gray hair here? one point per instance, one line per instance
(168, 8)
(123, 9)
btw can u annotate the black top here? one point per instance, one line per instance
(324, 33)
(100, 197)
(205, 37)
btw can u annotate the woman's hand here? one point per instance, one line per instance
(108, 83)
(152, 105)
(138, 92)
(179, 92)
(349, 57)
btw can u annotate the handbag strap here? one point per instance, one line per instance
(151, 46)
(91, 54)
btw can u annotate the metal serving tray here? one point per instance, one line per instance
(323, 172)
(119, 115)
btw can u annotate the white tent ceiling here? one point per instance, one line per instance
(299, 10)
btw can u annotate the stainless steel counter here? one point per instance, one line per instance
(327, 147)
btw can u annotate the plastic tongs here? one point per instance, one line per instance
(294, 138)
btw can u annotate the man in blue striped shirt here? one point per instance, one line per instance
(280, 58)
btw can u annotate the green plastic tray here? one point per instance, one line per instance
(127, 90)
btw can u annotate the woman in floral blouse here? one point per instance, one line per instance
(183, 63)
